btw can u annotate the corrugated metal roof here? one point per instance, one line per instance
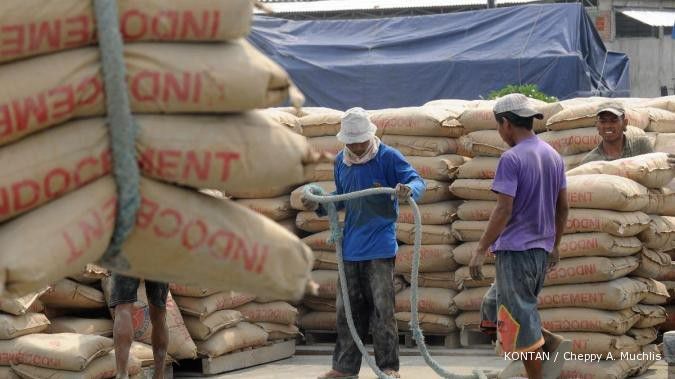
(349, 5)
(652, 17)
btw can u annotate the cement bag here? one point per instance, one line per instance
(476, 210)
(319, 304)
(85, 221)
(462, 254)
(241, 336)
(661, 202)
(94, 326)
(623, 224)
(278, 208)
(584, 115)
(664, 102)
(103, 367)
(650, 315)
(143, 353)
(65, 351)
(667, 275)
(588, 320)
(478, 168)
(660, 234)
(614, 295)
(441, 213)
(442, 167)
(468, 320)
(20, 305)
(431, 234)
(16, 326)
(429, 300)
(290, 121)
(486, 143)
(325, 260)
(37, 307)
(468, 231)
(665, 143)
(435, 280)
(573, 161)
(597, 244)
(463, 278)
(326, 144)
(296, 195)
(278, 331)
(48, 165)
(601, 343)
(650, 170)
(309, 221)
(277, 312)
(418, 121)
(435, 192)
(328, 283)
(323, 172)
(91, 274)
(422, 146)
(577, 141)
(224, 153)
(669, 323)
(318, 122)
(181, 290)
(318, 321)
(201, 330)
(243, 251)
(319, 241)
(661, 121)
(69, 294)
(450, 103)
(590, 270)
(657, 292)
(482, 117)
(201, 78)
(473, 189)
(643, 336)
(429, 322)
(180, 346)
(71, 23)
(6, 372)
(652, 264)
(601, 191)
(203, 307)
(433, 258)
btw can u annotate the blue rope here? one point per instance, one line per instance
(317, 194)
(122, 128)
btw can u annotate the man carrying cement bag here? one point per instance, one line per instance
(523, 232)
(122, 299)
(369, 242)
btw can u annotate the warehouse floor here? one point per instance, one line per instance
(459, 361)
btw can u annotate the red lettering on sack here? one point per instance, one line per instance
(146, 213)
(50, 189)
(140, 91)
(202, 230)
(168, 163)
(192, 27)
(33, 194)
(38, 33)
(227, 159)
(14, 40)
(81, 32)
(167, 20)
(68, 102)
(127, 18)
(172, 89)
(23, 110)
(178, 223)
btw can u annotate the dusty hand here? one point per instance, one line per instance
(553, 259)
(476, 264)
(309, 204)
(403, 191)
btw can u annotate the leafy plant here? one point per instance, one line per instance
(529, 90)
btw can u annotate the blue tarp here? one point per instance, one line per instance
(407, 61)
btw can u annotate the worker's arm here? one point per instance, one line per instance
(408, 177)
(498, 220)
(561, 212)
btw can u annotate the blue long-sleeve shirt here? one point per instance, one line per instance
(370, 222)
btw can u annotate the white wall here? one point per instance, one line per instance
(652, 63)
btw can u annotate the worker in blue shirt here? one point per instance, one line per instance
(369, 243)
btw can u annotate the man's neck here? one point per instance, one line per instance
(522, 135)
(614, 149)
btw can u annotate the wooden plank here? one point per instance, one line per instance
(248, 358)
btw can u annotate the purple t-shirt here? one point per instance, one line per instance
(533, 173)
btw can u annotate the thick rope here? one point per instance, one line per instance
(122, 129)
(317, 194)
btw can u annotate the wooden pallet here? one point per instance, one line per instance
(239, 359)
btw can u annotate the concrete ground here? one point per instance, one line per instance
(458, 361)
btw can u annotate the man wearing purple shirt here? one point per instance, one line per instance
(523, 232)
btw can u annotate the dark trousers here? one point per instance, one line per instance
(371, 294)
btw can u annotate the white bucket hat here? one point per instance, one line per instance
(355, 127)
(518, 104)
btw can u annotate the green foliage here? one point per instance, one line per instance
(529, 90)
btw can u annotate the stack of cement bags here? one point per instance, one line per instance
(198, 130)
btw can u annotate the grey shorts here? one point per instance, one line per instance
(125, 289)
(511, 303)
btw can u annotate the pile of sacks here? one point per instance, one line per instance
(194, 104)
(602, 295)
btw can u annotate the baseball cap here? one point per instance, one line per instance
(518, 104)
(355, 127)
(611, 107)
